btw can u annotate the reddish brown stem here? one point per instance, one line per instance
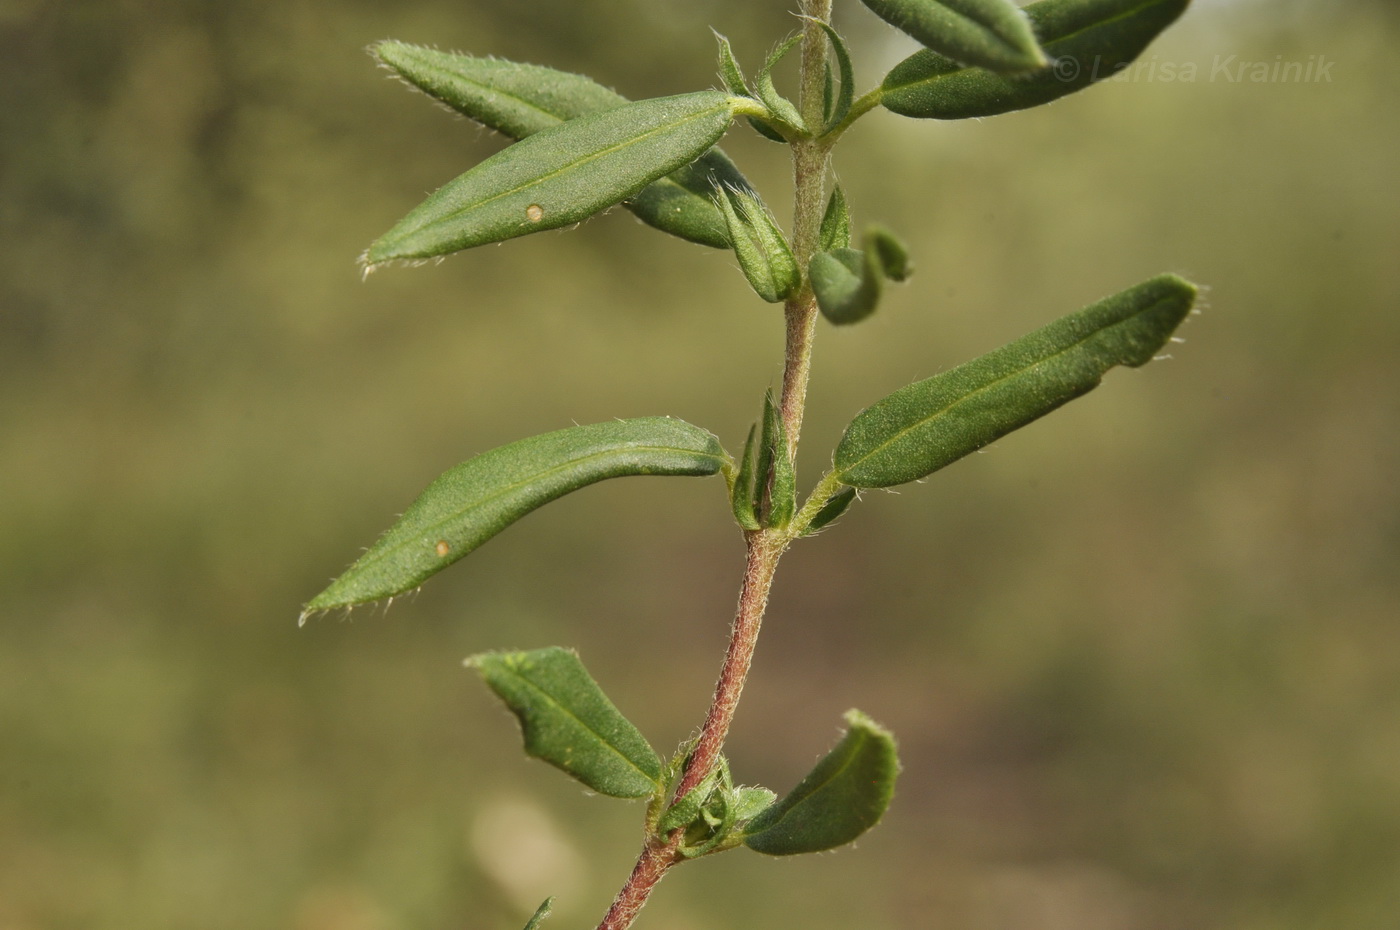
(651, 865)
(764, 549)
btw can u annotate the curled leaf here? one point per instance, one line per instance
(1087, 41)
(992, 34)
(844, 795)
(846, 283)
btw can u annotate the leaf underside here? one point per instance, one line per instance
(479, 498)
(987, 33)
(932, 423)
(567, 721)
(1088, 41)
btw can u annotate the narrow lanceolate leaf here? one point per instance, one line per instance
(782, 485)
(762, 249)
(518, 100)
(476, 500)
(988, 33)
(540, 914)
(560, 176)
(568, 722)
(729, 69)
(1087, 40)
(844, 795)
(742, 494)
(929, 424)
(836, 222)
(837, 108)
(783, 109)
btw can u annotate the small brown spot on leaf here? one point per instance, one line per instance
(442, 547)
(534, 213)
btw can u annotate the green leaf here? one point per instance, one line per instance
(567, 721)
(832, 510)
(783, 109)
(846, 284)
(560, 176)
(762, 249)
(929, 424)
(836, 110)
(1089, 40)
(519, 100)
(482, 496)
(775, 469)
(741, 497)
(844, 795)
(993, 34)
(729, 69)
(540, 914)
(836, 222)
(890, 251)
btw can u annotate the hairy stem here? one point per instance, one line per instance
(811, 162)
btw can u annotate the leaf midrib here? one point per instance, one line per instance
(559, 120)
(504, 490)
(846, 764)
(918, 424)
(633, 140)
(585, 725)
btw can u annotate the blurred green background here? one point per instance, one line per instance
(1143, 657)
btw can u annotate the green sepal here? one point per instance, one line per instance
(832, 510)
(1089, 41)
(836, 110)
(714, 814)
(846, 283)
(741, 495)
(519, 100)
(540, 914)
(992, 34)
(729, 70)
(836, 222)
(686, 810)
(763, 251)
(784, 111)
(775, 468)
(932, 423)
(890, 251)
(567, 721)
(560, 176)
(845, 794)
(479, 498)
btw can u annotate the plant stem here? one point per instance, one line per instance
(811, 161)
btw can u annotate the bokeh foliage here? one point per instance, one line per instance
(1142, 657)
